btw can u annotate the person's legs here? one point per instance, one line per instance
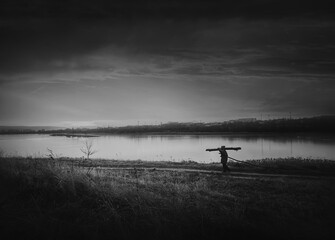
(225, 167)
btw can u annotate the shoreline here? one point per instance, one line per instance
(72, 135)
(285, 166)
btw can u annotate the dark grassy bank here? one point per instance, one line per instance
(67, 199)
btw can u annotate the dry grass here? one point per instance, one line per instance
(53, 199)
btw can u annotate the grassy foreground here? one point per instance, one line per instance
(70, 199)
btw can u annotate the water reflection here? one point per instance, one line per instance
(173, 147)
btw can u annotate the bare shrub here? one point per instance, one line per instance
(88, 149)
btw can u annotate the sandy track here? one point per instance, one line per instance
(229, 174)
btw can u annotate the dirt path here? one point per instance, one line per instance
(229, 174)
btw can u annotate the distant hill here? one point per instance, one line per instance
(321, 124)
(28, 128)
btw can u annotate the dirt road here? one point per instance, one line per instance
(232, 174)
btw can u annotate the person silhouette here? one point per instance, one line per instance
(224, 155)
(224, 159)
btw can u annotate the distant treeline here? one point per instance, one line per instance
(322, 124)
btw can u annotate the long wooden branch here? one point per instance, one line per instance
(226, 148)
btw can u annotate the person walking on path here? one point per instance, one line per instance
(224, 159)
(224, 155)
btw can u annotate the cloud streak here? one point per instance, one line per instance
(166, 67)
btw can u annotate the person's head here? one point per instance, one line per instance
(223, 147)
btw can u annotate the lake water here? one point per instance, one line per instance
(171, 147)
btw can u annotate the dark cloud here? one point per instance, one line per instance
(36, 32)
(204, 59)
(309, 97)
(160, 8)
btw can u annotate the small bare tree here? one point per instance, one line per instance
(88, 149)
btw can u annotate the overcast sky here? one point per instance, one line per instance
(97, 63)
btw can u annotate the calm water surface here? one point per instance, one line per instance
(172, 147)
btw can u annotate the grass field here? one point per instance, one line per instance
(72, 198)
